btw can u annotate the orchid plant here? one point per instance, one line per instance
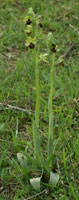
(40, 167)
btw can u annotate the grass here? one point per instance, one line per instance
(17, 87)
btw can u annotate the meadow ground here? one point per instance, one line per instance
(17, 88)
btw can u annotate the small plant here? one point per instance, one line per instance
(40, 169)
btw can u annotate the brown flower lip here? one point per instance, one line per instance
(28, 22)
(31, 45)
(53, 48)
(40, 25)
(29, 33)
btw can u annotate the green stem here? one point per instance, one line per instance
(50, 135)
(36, 135)
(37, 109)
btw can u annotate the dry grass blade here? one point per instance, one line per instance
(6, 106)
(44, 191)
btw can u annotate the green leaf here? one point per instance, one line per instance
(52, 150)
(2, 126)
(50, 136)
(35, 182)
(23, 160)
(54, 177)
(15, 139)
(34, 163)
(55, 142)
(36, 140)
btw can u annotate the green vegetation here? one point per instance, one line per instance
(18, 87)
